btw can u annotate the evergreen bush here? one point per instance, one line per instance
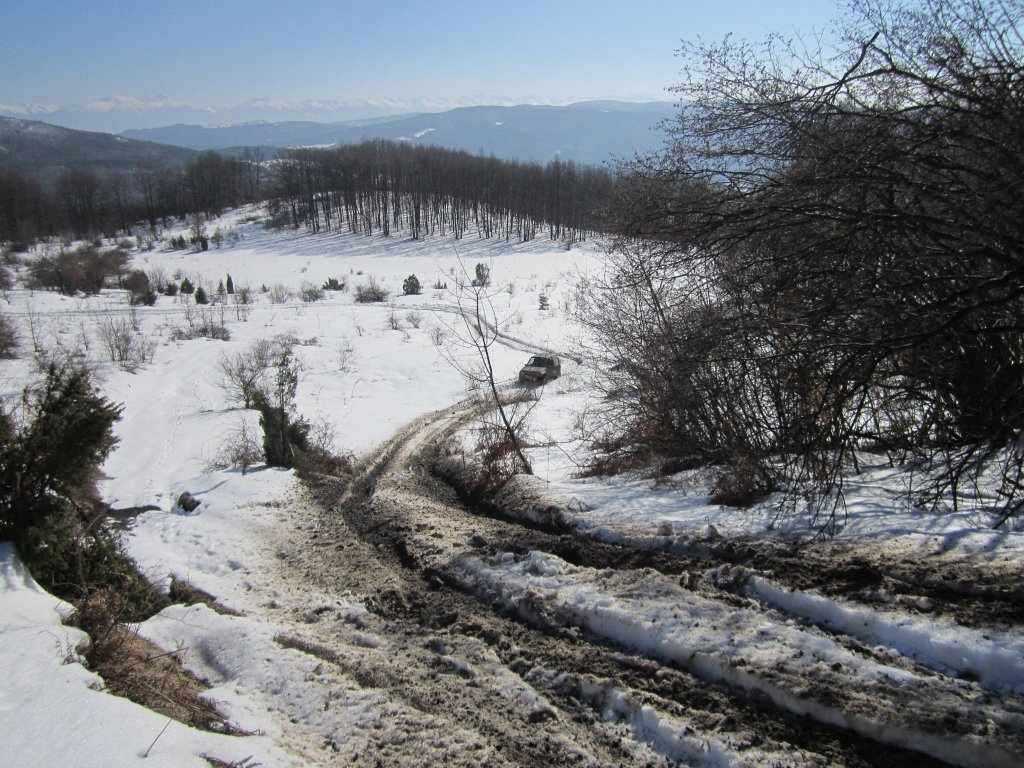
(411, 286)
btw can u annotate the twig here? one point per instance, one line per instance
(146, 753)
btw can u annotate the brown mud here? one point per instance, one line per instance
(481, 686)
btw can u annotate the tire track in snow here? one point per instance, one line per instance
(995, 659)
(413, 541)
(802, 671)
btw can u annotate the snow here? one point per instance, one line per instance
(995, 658)
(650, 613)
(54, 711)
(677, 510)
(176, 420)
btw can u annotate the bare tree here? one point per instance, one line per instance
(829, 258)
(119, 192)
(244, 373)
(79, 192)
(476, 332)
(252, 158)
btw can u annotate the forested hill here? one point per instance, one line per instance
(45, 151)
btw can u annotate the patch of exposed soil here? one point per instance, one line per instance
(525, 690)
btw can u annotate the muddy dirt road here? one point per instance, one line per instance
(480, 674)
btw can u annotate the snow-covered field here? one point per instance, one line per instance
(366, 379)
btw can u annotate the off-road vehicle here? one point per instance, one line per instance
(540, 369)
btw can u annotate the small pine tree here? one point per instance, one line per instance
(48, 472)
(334, 284)
(411, 286)
(282, 436)
(220, 289)
(200, 296)
(187, 287)
(230, 286)
(543, 302)
(483, 275)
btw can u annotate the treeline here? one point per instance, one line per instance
(86, 203)
(383, 187)
(376, 187)
(829, 261)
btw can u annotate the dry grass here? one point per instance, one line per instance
(185, 593)
(138, 670)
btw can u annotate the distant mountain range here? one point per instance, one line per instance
(587, 132)
(116, 113)
(45, 151)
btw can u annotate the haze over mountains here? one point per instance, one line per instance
(586, 132)
(115, 114)
(118, 113)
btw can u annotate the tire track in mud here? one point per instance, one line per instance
(563, 694)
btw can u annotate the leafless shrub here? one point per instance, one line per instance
(414, 318)
(393, 321)
(158, 279)
(34, 327)
(279, 293)
(319, 456)
(476, 332)
(347, 356)
(744, 482)
(124, 342)
(499, 452)
(202, 321)
(243, 373)
(241, 299)
(371, 291)
(243, 295)
(310, 292)
(242, 447)
(84, 269)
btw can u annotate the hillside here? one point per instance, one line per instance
(45, 151)
(376, 621)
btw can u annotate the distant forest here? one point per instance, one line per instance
(377, 187)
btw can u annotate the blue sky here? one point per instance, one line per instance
(221, 52)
